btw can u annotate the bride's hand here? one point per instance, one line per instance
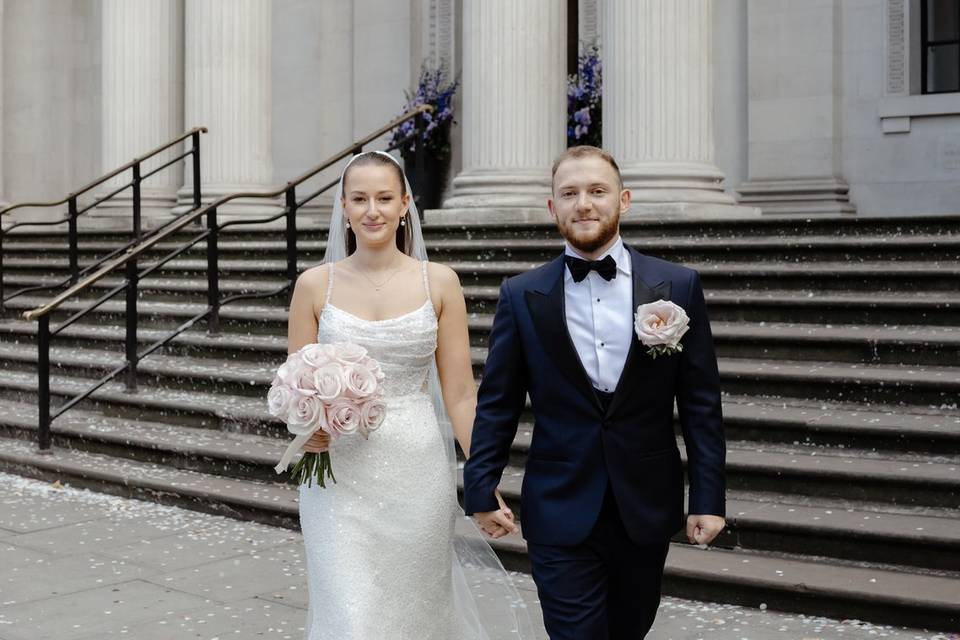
(318, 443)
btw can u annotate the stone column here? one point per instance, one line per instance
(588, 20)
(142, 108)
(3, 200)
(228, 75)
(514, 102)
(794, 157)
(658, 104)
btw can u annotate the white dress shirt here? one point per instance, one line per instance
(599, 316)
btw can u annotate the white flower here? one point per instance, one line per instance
(279, 399)
(359, 381)
(349, 353)
(660, 325)
(372, 414)
(343, 416)
(306, 415)
(328, 379)
(315, 355)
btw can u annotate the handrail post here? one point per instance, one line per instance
(2, 233)
(213, 275)
(72, 239)
(43, 382)
(195, 138)
(136, 201)
(291, 197)
(419, 162)
(133, 282)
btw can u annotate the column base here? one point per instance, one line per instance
(827, 196)
(487, 189)
(692, 210)
(675, 183)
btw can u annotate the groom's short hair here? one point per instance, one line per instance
(585, 151)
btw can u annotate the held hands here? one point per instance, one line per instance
(499, 523)
(703, 529)
(318, 443)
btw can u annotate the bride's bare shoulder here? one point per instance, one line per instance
(443, 279)
(313, 282)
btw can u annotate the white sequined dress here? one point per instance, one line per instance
(379, 541)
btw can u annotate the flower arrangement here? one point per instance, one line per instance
(660, 325)
(436, 89)
(584, 99)
(334, 388)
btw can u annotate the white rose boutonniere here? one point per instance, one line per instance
(660, 325)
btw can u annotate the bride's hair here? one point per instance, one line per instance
(403, 236)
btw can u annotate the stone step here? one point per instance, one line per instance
(769, 522)
(747, 417)
(535, 223)
(921, 246)
(883, 383)
(851, 473)
(925, 538)
(841, 425)
(920, 345)
(885, 344)
(839, 275)
(807, 307)
(814, 585)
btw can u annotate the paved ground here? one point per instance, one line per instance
(77, 565)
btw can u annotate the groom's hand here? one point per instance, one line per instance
(703, 529)
(499, 523)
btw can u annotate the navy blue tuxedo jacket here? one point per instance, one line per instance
(577, 447)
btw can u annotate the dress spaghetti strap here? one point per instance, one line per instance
(329, 285)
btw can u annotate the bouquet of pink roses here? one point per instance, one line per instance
(335, 388)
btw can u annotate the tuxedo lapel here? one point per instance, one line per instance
(642, 294)
(548, 311)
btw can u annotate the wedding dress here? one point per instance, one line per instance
(390, 555)
(379, 540)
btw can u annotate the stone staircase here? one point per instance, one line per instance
(839, 349)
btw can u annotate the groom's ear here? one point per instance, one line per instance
(553, 214)
(624, 201)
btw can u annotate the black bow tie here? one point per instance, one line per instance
(606, 268)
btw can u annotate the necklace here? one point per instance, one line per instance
(377, 287)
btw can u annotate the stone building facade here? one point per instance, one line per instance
(711, 106)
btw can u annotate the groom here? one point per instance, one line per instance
(603, 487)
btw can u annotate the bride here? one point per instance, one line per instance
(384, 556)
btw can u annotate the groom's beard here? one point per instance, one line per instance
(590, 241)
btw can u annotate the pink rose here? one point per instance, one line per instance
(374, 367)
(372, 414)
(279, 399)
(288, 370)
(349, 353)
(315, 355)
(306, 415)
(359, 381)
(343, 416)
(297, 374)
(328, 381)
(661, 323)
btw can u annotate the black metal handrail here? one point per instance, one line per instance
(212, 314)
(74, 211)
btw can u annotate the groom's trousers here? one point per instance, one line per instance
(606, 588)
